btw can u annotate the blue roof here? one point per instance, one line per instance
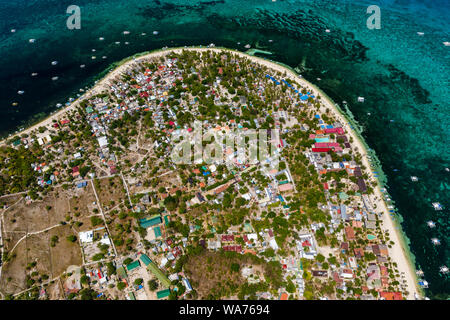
(317, 116)
(304, 97)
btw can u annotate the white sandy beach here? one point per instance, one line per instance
(397, 252)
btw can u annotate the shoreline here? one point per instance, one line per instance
(399, 252)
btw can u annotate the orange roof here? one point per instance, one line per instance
(391, 295)
(320, 131)
(202, 184)
(284, 296)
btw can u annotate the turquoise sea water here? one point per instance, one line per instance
(403, 76)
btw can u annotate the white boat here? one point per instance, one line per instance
(32, 40)
(327, 30)
(419, 273)
(93, 50)
(437, 206)
(82, 66)
(247, 46)
(93, 57)
(420, 33)
(447, 169)
(20, 92)
(13, 30)
(155, 32)
(104, 57)
(435, 241)
(143, 34)
(117, 42)
(368, 113)
(126, 32)
(270, 40)
(55, 78)
(443, 269)
(446, 43)
(360, 99)
(126, 42)
(34, 74)
(318, 79)
(58, 105)
(101, 38)
(14, 104)
(54, 63)
(431, 224)
(414, 179)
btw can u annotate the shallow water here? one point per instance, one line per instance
(403, 76)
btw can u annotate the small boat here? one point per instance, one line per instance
(435, 241)
(368, 113)
(443, 269)
(126, 32)
(55, 78)
(20, 92)
(13, 30)
(247, 46)
(104, 57)
(238, 43)
(54, 63)
(58, 105)
(327, 30)
(93, 50)
(437, 206)
(93, 57)
(32, 40)
(117, 42)
(318, 79)
(447, 169)
(360, 99)
(82, 66)
(34, 74)
(414, 179)
(431, 224)
(155, 32)
(420, 33)
(126, 42)
(446, 43)
(423, 283)
(101, 38)
(14, 104)
(143, 34)
(419, 273)
(270, 40)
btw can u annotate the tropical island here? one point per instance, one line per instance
(93, 205)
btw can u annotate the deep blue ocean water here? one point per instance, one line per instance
(403, 76)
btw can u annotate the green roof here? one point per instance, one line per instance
(157, 231)
(145, 259)
(166, 220)
(131, 295)
(343, 196)
(16, 143)
(89, 110)
(163, 293)
(121, 272)
(158, 273)
(133, 265)
(150, 221)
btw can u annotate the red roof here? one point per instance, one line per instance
(391, 295)
(321, 149)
